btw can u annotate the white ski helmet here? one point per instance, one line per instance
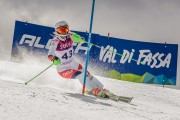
(61, 30)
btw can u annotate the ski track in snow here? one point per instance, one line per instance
(50, 97)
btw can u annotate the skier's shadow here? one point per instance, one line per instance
(85, 98)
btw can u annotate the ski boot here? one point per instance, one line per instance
(97, 92)
(100, 93)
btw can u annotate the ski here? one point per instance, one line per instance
(113, 97)
(121, 98)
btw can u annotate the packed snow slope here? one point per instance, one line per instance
(49, 97)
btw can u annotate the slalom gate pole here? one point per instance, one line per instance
(89, 40)
(38, 74)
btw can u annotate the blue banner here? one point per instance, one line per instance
(142, 62)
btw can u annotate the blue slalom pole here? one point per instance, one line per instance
(89, 40)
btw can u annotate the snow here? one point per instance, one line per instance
(49, 97)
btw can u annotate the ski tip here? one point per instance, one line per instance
(130, 99)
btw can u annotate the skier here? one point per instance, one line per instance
(61, 54)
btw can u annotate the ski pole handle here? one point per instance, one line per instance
(38, 74)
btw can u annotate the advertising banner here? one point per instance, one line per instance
(128, 60)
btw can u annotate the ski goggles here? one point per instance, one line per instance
(62, 30)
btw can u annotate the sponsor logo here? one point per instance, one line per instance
(67, 73)
(32, 40)
(63, 46)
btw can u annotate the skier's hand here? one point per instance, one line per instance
(56, 60)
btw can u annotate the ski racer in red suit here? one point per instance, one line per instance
(61, 53)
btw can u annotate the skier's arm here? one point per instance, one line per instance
(52, 49)
(51, 53)
(76, 38)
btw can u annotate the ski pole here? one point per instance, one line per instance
(38, 74)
